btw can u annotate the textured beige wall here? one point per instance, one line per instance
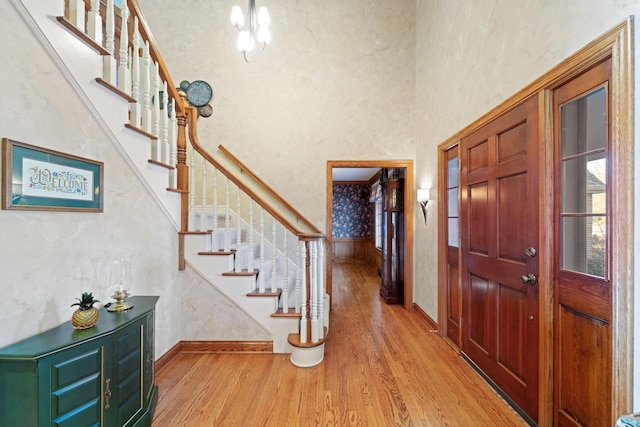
(336, 83)
(473, 55)
(47, 259)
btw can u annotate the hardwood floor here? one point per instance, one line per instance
(382, 367)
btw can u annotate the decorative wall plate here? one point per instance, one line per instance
(199, 93)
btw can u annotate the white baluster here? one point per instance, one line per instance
(274, 258)
(298, 275)
(303, 288)
(173, 142)
(203, 198)
(214, 233)
(135, 107)
(124, 75)
(156, 149)
(194, 224)
(94, 22)
(164, 125)
(155, 99)
(238, 222)
(145, 85)
(320, 286)
(110, 67)
(285, 275)
(251, 254)
(227, 219)
(315, 336)
(76, 14)
(262, 243)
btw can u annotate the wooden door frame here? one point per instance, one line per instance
(409, 190)
(617, 44)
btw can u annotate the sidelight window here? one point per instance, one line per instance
(452, 203)
(583, 211)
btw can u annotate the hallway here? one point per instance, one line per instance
(382, 367)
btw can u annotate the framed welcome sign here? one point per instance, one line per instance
(35, 178)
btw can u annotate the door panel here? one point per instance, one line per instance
(499, 221)
(510, 199)
(583, 367)
(453, 296)
(478, 206)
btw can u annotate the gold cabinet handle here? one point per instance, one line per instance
(107, 393)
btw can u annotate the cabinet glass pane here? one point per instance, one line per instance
(584, 244)
(584, 184)
(584, 123)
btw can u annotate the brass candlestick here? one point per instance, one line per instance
(120, 304)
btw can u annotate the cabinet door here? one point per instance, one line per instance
(126, 382)
(75, 392)
(149, 355)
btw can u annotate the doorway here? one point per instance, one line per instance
(585, 252)
(408, 199)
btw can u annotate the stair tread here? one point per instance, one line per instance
(193, 232)
(291, 313)
(177, 190)
(141, 131)
(267, 293)
(115, 89)
(82, 36)
(294, 340)
(231, 252)
(161, 164)
(241, 273)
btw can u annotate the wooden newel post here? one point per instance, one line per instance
(181, 164)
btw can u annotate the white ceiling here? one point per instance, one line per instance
(353, 174)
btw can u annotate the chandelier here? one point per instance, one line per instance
(254, 34)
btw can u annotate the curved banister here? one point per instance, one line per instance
(192, 114)
(248, 171)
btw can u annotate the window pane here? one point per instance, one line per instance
(584, 248)
(452, 173)
(584, 123)
(453, 232)
(452, 198)
(584, 184)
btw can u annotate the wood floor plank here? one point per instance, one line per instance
(382, 367)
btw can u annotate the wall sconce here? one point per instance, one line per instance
(423, 199)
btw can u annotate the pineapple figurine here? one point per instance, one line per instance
(86, 315)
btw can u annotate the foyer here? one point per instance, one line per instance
(382, 367)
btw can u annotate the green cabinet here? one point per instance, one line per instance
(102, 376)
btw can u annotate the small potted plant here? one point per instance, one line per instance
(86, 315)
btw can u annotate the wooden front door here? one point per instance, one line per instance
(499, 239)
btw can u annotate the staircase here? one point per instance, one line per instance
(234, 230)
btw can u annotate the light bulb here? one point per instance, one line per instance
(263, 16)
(264, 35)
(237, 18)
(244, 41)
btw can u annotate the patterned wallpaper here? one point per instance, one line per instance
(352, 211)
